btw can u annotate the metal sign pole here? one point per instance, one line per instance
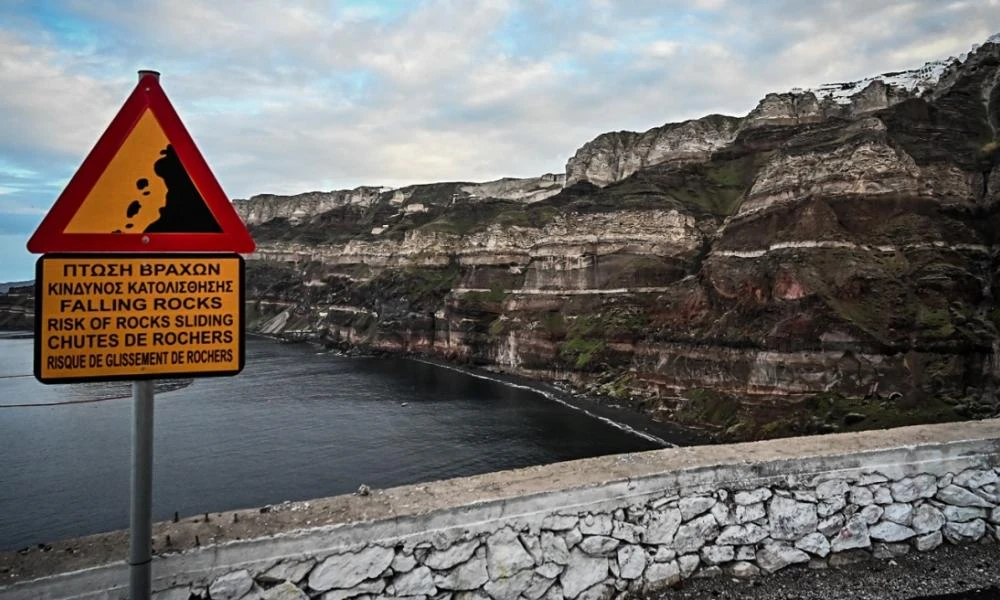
(140, 554)
(140, 544)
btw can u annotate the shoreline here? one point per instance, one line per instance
(666, 435)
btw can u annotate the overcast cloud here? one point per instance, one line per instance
(286, 97)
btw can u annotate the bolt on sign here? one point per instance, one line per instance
(140, 278)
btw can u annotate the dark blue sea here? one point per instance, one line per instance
(298, 423)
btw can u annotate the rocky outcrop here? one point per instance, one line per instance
(17, 307)
(614, 156)
(298, 209)
(531, 189)
(791, 109)
(807, 273)
(294, 209)
(804, 107)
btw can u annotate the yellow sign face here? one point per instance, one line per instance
(128, 196)
(113, 316)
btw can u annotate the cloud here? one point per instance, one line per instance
(48, 105)
(289, 98)
(17, 265)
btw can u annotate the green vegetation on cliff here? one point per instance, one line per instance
(821, 272)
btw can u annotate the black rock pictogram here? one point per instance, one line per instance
(185, 210)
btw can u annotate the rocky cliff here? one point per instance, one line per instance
(17, 306)
(828, 261)
(614, 156)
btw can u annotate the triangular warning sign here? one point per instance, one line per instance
(143, 188)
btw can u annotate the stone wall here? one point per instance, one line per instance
(611, 527)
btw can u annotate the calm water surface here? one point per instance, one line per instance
(296, 424)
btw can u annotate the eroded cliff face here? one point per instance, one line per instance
(293, 210)
(826, 266)
(17, 307)
(614, 156)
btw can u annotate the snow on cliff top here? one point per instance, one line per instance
(914, 80)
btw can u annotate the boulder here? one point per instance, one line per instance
(505, 556)
(909, 489)
(374, 586)
(554, 548)
(662, 526)
(927, 518)
(659, 575)
(582, 572)
(833, 488)
(961, 514)
(717, 555)
(419, 581)
(599, 545)
(752, 497)
(814, 543)
(774, 557)
(750, 512)
(599, 524)
(467, 576)
(693, 535)
(790, 519)
(898, 513)
(888, 531)
(854, 534)
(509, 588)
(964, 533)
(350, 569)
(446, 559)
(688, 563)
(929, 541)
(751, 533)
(284, 591)
(231, 586)
(975, 478)
(959, 496)
(631, 562)
(743, 570)
(693, 506)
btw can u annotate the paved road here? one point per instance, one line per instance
(948, 573)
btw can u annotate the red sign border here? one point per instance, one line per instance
(40, 289)
(51, 234)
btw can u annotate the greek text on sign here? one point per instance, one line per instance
(113, 316)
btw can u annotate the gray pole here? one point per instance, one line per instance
(140, 551)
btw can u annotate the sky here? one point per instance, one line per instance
(287, 97)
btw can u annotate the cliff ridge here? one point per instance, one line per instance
(827, 262)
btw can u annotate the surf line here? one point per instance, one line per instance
(555, 397)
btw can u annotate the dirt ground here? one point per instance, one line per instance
(948, 573)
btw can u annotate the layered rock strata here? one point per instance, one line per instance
(760, 276)
(614, 156)
(17, 308)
